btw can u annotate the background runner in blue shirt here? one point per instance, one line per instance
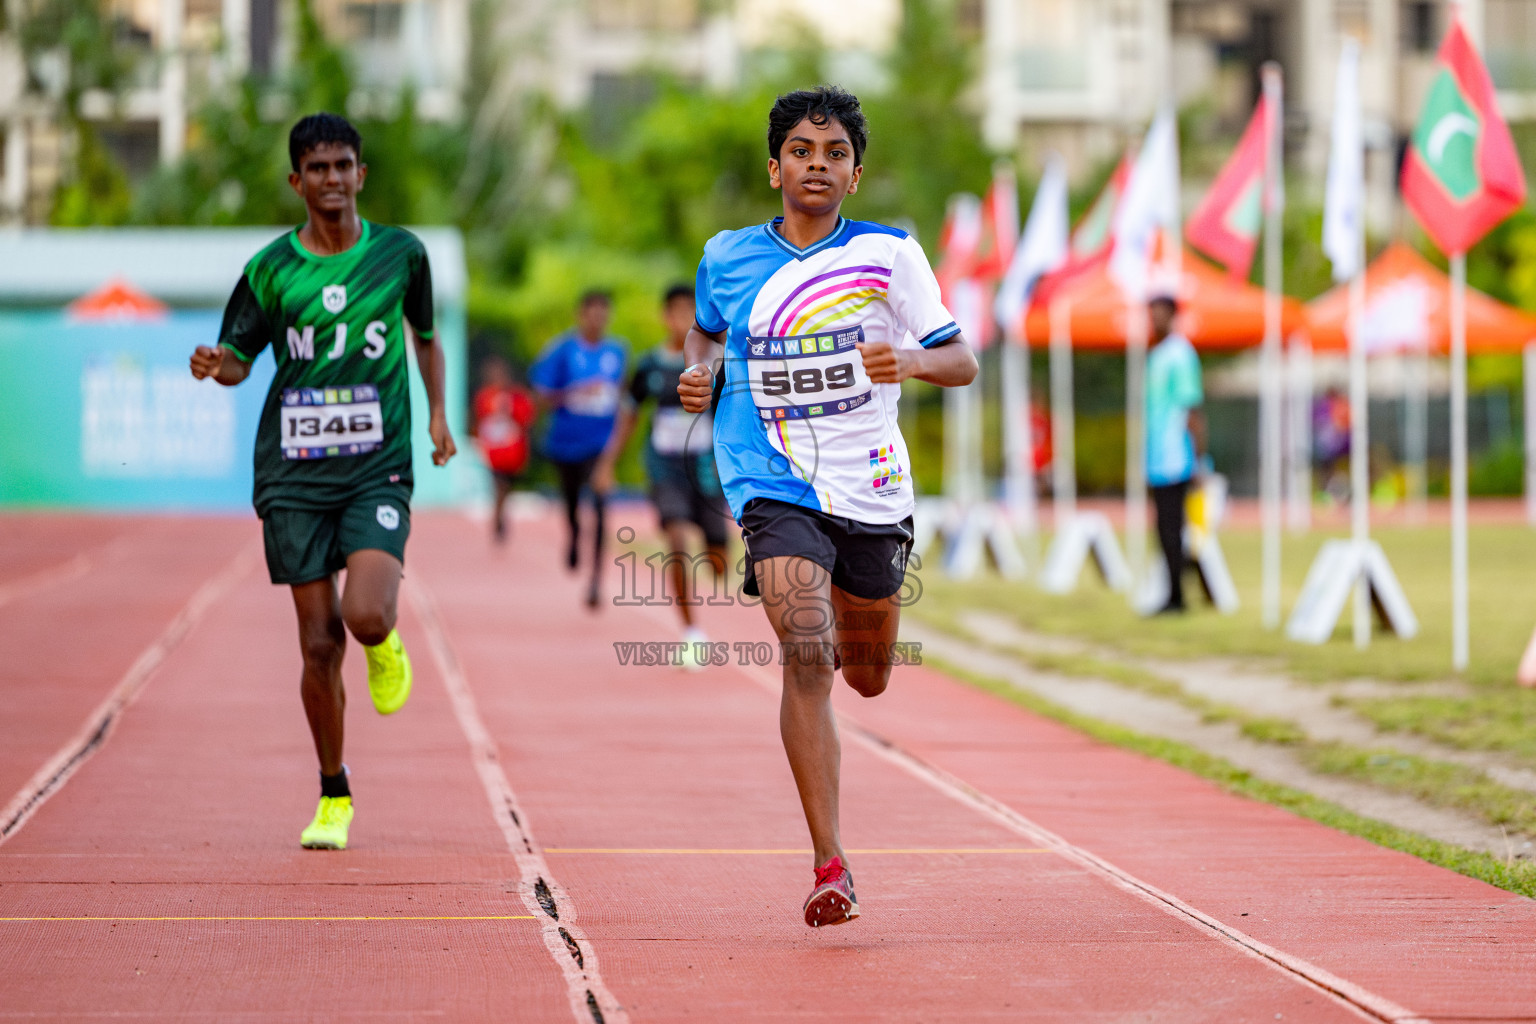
(579, 376)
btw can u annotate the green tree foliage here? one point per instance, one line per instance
(72, 48)
(924, 143)
(236, 168)
(642, 190)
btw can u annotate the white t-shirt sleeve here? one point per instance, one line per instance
(915, 298)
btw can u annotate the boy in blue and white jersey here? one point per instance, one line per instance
(820, 319)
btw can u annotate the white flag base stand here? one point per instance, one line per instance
(984, 528)
(1085, 535)
(1202, 553)
(968, 533)
(934, 519)
(1330, 586)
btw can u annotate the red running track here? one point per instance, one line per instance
(1008, 868)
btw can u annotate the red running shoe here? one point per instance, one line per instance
(832, 901)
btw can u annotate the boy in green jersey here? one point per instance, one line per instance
(333, 449)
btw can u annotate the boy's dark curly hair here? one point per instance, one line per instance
(821, 105)
(321, 128)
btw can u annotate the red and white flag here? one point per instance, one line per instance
(1225, 226)
(1093, 238)
(999, 226)
(960, 246)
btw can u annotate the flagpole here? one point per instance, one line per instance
(1459, 625)
(1530, 432)
(1299, 377)
(1416, 429)
(1018, 448)
(1271, 382)
(1063, 418)
(1359, 453)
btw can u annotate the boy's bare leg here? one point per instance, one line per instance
(797, 596)
(323, 642)
(370, 603)
(866, 635)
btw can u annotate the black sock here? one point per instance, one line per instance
(334, 785)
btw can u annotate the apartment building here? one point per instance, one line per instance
(1085, 76)
(179, 52)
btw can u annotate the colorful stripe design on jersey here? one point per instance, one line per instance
(797, 415)
(858, 288)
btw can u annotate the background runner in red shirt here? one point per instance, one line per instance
(503, 416)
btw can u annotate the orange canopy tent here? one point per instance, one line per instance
(1407, 307)
(1217, 313)
(116, 300)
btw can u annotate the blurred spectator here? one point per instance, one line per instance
(1041, 451)
(1330, 442)
(1175, 436)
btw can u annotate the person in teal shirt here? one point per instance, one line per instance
(1175, 435)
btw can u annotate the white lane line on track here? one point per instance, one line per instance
(572, 951)
(72, 569)
(52, 776)
(1367, 1004)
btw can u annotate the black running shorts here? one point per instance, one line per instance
(304, 545)
(866, 560)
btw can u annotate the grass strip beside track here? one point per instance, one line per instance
(1502, 561)
(1513, 876)
(1440, 783)
(1502, 719)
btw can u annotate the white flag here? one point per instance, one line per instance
(1043, 247)
(1151, 203)
(1344, 200)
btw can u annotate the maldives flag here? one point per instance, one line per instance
(1461, 175)
(1226, 224)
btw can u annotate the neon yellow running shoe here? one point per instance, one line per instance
(389, 674)
(329, 829)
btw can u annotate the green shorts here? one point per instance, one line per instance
(304, 545)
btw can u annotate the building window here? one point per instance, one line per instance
(644, 15)
(1353, 18)
(1421, 27)
(1509, 29)
(374, 20)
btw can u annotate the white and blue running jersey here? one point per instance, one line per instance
(799, 420)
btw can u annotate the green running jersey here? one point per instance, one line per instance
(337, 421)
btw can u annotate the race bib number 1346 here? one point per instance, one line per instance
(325, 423)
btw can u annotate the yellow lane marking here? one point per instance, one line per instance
(916, 850)
(484, 917)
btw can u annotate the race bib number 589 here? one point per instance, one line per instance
(325, 423)
(807, 376)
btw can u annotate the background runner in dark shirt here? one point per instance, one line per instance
(680, 462)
